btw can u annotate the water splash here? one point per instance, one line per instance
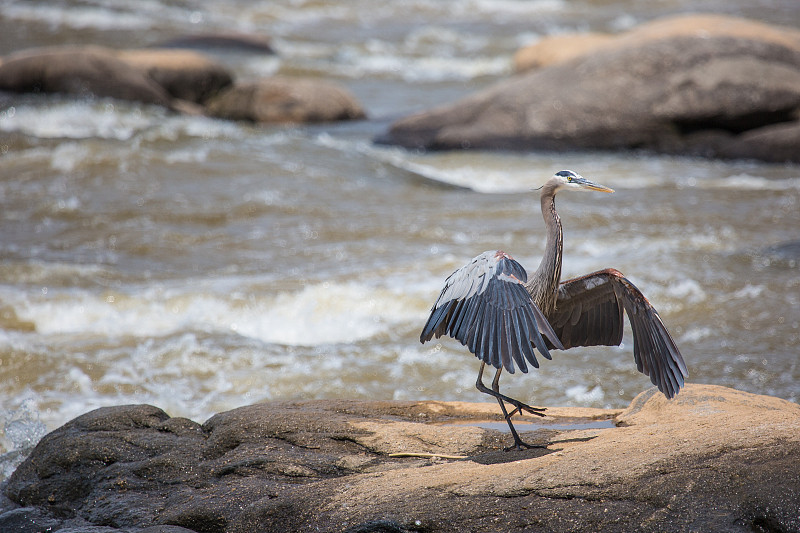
(22, 430)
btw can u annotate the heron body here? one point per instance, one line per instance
(503, 317)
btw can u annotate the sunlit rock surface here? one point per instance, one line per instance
(712, 459)
(184, 74)
(699, 85)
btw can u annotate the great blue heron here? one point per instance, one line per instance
(492, 307)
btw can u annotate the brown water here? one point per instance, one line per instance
(199, 265)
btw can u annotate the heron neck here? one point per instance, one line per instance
(548, 275)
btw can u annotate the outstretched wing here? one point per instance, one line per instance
(589, 313)
(484, 305)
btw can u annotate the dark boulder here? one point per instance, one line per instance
(712, 459)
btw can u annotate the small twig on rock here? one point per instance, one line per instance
(427, 455)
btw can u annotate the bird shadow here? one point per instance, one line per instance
(509, 456)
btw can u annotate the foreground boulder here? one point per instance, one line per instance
(712, 459)
(286, 100)
(699, 86)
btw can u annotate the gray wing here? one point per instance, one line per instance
(485, 306)
(589, 313)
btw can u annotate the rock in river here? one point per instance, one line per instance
(84, 71)
(712, 459)
(182, 80)
(286, 99)
(699, 85)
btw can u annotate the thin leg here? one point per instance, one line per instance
(519, 406)
(495, 391)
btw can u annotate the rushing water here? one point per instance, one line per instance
(199, 264)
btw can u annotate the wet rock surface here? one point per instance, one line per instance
(712, 459)
(700, 85)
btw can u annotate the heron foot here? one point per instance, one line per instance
(519, 407)
(495, 391)
(519, 444)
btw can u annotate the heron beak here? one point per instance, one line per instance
(592, 186)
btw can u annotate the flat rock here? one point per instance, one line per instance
(698, 85)
(281, 99)
(712, 459)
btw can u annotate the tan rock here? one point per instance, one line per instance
(184, 74)
(286, 100)
(710, 86)
(559, 48)
(711, 25)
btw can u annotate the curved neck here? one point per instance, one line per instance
(544, 285)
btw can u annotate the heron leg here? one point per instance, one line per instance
(518, 442)
(495, 391)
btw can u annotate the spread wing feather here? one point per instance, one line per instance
(589, 313)
(485, 306)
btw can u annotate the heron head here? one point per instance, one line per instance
(569, 180)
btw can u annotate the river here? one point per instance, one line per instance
(199, 265)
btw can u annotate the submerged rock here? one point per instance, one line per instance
(700, 85)
(712, 459)
(221, 42)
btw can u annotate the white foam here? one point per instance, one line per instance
(746, 182)
(20, 430)
(583, 396)
(76, 17)
(425, 69)
(749, 291)
(481, 176)
(514, 7)
(323, 313)
(687, 290)
(76, 120)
